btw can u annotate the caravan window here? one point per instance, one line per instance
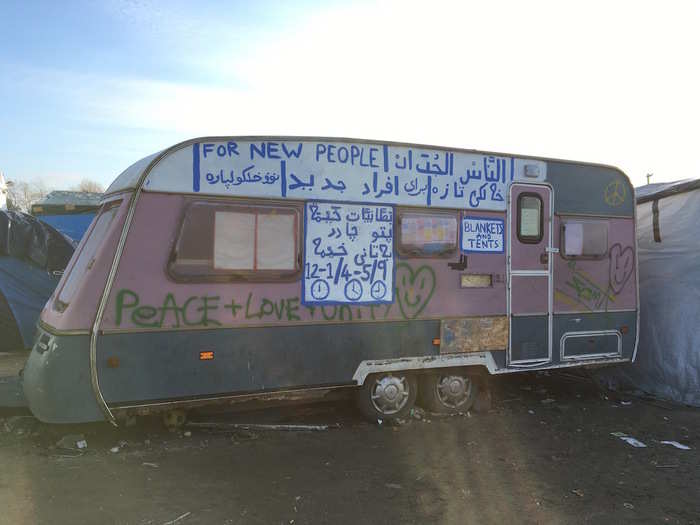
(86, 257)
(530, 219)
(431, 234)
(584, 238)
(222, 242)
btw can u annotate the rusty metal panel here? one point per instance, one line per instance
(473, 334)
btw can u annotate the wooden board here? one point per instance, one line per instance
(473, 334)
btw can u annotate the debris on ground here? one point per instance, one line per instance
(177, 519)
(114, 450)
(628, 505)
(578, 492)
(628, 439)
(547, 401)
(259, 426)
(676, 444)
(417, 413)
(19, 424)
(147, 464)
(243, 435)
(72, 442)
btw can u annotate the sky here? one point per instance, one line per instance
(88, 88)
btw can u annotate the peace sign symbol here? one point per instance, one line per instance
(615, 193)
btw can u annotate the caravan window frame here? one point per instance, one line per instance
(563, 219)
(210, 274)
(529, 239)
(85, 255)
(404, 251)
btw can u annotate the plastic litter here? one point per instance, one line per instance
(72, 441)
(628, 439)
(676, 444)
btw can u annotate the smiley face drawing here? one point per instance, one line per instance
(414, 288)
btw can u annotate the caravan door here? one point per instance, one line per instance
(529, 275)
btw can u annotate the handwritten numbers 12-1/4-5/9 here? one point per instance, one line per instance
(349, 256)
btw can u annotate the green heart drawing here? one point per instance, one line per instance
(414, 289)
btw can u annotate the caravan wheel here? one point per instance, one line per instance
(451, 392)
(387, 396)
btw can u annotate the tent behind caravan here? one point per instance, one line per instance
(70, 212)
(32, 258)
(668, 358)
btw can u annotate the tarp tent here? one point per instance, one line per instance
(70, 212)
(668, 356)
(32, 258)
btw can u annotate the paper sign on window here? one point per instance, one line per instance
(573, 238)
(530, 222)
(234, 241)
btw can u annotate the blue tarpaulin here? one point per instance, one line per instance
(74, 225)
(26, 289)
(33, 255)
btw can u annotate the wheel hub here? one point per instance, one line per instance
(390, 394)
(453, 391)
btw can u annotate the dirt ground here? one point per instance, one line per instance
(542, 454)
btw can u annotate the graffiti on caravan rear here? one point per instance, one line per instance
(368, 173)
(348, 254)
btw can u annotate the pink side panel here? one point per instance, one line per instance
(424, 288)
(598, 285)
(530, 295)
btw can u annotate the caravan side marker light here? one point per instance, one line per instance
(436, 341)
(624, 329)
(113, 362)
(206, 356)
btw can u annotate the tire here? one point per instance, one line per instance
(387, 396)
(448, 392)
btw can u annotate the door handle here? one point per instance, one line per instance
(544, 258)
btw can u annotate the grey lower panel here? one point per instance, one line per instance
(625, 323)
(57, 383)
(588, 335)
(576, 346)
(147, 366)
(528, 338)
